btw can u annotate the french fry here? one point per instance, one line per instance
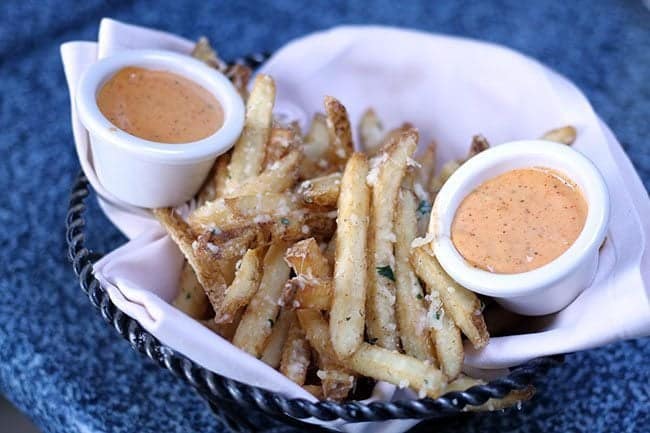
(191, 298)
(205, 266)
(317, 333)
(347, 314)
(330, 249)
(513, 398)
(336, 382)
(427, 162)
(314, 390)
(240, 75)
(234, 241)
(315, 148)
(479, 144)
(243, 288)
(203, 51)
(463, 305)
(445, 173)
(307, 260)
(396, 368)
(296, 354)
(317, 140)
(409, 307)
(371, 132)
(339, 131)
(566, 135)
(249, 151)
(259, 318)
(320, 192)
(272, 353)
(281, 142)
(308, 292)
(229, 212)
(445, 335)
(385, 180)
(215, 183)
(277, 177)
(226, 330)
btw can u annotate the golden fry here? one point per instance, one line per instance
(385, 179)
(259, 318)
(296, 354)
(462, 304)
(409, 307)
(347, 314)
(250, 150)
(243, 288)
(566, 135)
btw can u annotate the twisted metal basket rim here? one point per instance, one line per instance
(215, 387)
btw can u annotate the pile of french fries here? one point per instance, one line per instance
(309, 255)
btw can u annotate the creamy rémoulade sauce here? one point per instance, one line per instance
(519, 220)
(159, 106)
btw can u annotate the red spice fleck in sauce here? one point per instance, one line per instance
(519, 220)
(159, 106)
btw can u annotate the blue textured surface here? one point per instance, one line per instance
(70, 372)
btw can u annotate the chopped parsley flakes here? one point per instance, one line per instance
(386, 272)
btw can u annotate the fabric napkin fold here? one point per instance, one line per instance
(450, 88)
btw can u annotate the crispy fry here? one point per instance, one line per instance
(317, 333)
(439, 180)
(317, 140)
(340, 132)
(278, 177)
(308, 292)
(240, 75)
(260, 315)
(427, 162)
(205, 266)
(566, 135)
(445, 335)
(463, 305)
(215, 183)
(281, 142)
(229, 212)
(226, 330)
(314, 390)
(513, 398)
(398, 369)
(371, 132)
(350, 269)
(330, 249)
(249, 151)
(234, 241)
(307, 260)
(296, 354)
(385, 179)
(243, 288)
(191, 298)
(336, 382)
(203, 51)
(409, 307)
(479, 144)
(272, 353)
(320, 192)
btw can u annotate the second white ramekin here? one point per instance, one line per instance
(548, 288)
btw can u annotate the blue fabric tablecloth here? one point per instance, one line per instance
(70, 372)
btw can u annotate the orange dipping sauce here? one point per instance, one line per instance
(159, 106)
(519, 220)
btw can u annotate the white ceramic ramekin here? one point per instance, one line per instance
(548, 288)
(146, 173)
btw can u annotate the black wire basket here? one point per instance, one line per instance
(266, 409)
